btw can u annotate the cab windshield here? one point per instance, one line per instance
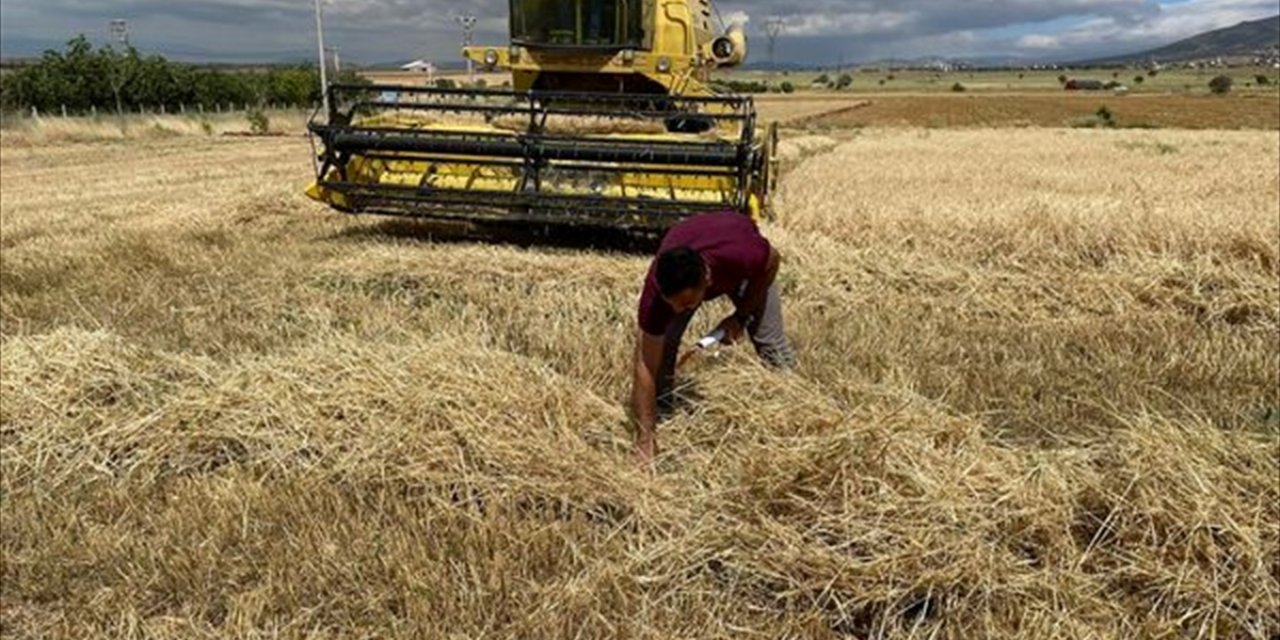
(607, 24)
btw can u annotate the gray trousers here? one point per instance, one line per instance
(767, 334)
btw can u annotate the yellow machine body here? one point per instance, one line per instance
(610, 121)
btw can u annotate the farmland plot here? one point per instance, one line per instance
(1037, 398)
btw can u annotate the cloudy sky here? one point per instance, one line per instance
(826, 31)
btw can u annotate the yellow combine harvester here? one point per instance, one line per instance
(610, 122)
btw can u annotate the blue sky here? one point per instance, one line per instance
(824, 31)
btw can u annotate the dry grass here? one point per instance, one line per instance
(26, 132)
(799, 108)
(581, 125)
(1037, 399)
(1055, 110)
(21, 131)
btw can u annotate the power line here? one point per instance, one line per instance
(773, 27)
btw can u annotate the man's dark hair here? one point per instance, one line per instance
(678, 270)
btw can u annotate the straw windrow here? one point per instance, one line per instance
(1036, 400)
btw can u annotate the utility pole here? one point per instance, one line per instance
(120, 33)
(337, 61)
(324, 76)
(468, 23)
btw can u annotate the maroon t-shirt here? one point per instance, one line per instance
(729, 243)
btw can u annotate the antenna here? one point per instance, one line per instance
(120, 31)
(468, 23)
(773, 28)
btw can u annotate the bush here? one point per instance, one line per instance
(958, 88)
(787, 87)
(1262, 80)
(259, 124)
(822, 79)
(1062, 79)
(1221, 85)
(845, 81)
(1106, 119)
(1153, 73)
(740, 86)
(1139, 79)
(446, 83)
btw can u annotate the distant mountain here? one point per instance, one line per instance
(1245, 39)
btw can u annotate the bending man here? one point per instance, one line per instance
(703, 258)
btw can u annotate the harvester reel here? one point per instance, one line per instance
(393, 150)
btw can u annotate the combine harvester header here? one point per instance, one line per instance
(611, 123)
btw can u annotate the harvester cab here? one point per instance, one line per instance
(609, 122)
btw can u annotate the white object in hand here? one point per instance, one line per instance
(713, 339)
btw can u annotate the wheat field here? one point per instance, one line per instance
(1037, 398)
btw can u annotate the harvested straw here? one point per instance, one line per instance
(1035, 401)
(55, 131)
(584, 125)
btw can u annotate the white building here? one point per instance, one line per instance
(422, 66)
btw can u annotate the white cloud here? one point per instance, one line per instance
(1038, 41)
(736, 18)
(817, 31)
(1171, 23)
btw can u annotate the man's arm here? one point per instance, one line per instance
(644, 394)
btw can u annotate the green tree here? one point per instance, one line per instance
(1221, 85)
(81, 78)
(291, 86)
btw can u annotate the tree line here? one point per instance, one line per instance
(82, 78)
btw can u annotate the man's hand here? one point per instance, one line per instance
(648, 359)
(733, 330)
(646, 452)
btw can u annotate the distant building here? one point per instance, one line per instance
(1085, 85)
(422, 66)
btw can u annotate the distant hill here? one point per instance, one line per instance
(1245, 39)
